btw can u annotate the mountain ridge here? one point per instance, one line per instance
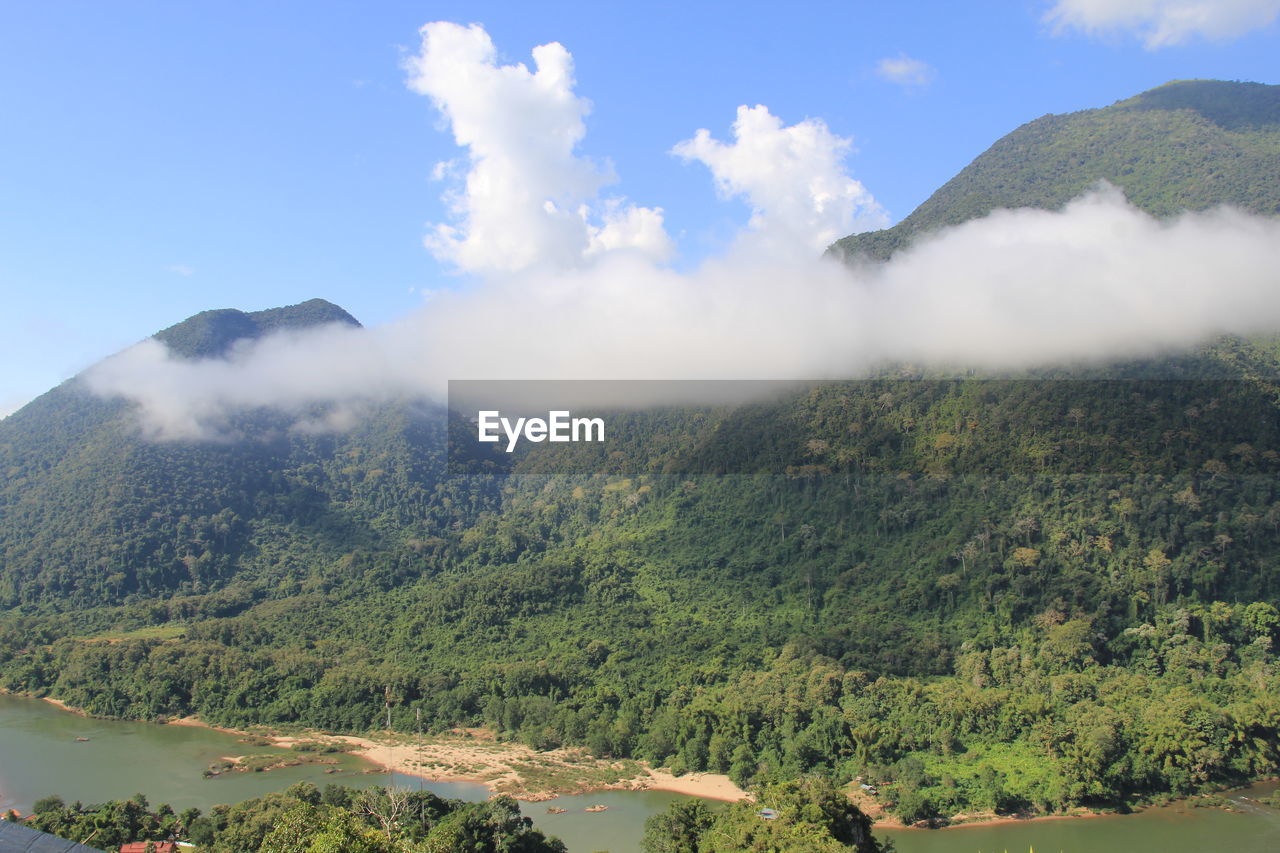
(1186, 145)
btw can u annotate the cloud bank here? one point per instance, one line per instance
(1164, 23)
(1096, 281)
(560, 296)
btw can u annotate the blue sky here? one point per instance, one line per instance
(159, 159)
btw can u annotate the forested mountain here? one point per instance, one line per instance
(91, 513)
(983, 594)
(1186, 145)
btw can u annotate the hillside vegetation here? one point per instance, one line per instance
(981, 595)
(1027, 594)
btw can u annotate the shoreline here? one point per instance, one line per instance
(58, 703)
(981, 820)
(496, 766)
(475, 756)
(994, 820)
(192, 721)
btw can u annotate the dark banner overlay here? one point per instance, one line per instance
(937, 428)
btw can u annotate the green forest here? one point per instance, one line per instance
(978, 594)
(989, 595)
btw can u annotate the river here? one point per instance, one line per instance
(40, 755)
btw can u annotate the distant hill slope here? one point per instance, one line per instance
(1187, 145)
(92, 512)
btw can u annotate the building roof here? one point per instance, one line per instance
(16, 838)
(141, 847)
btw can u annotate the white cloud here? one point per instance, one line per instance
(905, 71)
(181, 269)
(192, 399)
(793, 177)
(571, 287)
(1096, 281)
(628, 227)
(1164, 23)
(528, 200)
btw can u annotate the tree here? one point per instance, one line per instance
(809, 816)
(323, 829)
(679, 829)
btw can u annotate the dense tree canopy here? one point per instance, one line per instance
(305, 819)
(1025, 594)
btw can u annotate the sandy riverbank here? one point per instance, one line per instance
(196, 722)
(474, 755)
(527, 774)
(58, 703)
(709, 786)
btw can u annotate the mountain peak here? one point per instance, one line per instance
(1231, 105)
(1186, 145)
(211, 333)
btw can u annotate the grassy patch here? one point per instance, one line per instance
(167, 631)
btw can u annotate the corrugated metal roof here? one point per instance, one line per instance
(16, 838)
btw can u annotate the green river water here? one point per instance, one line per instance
(39, 755)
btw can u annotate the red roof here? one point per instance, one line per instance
(141, 847)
